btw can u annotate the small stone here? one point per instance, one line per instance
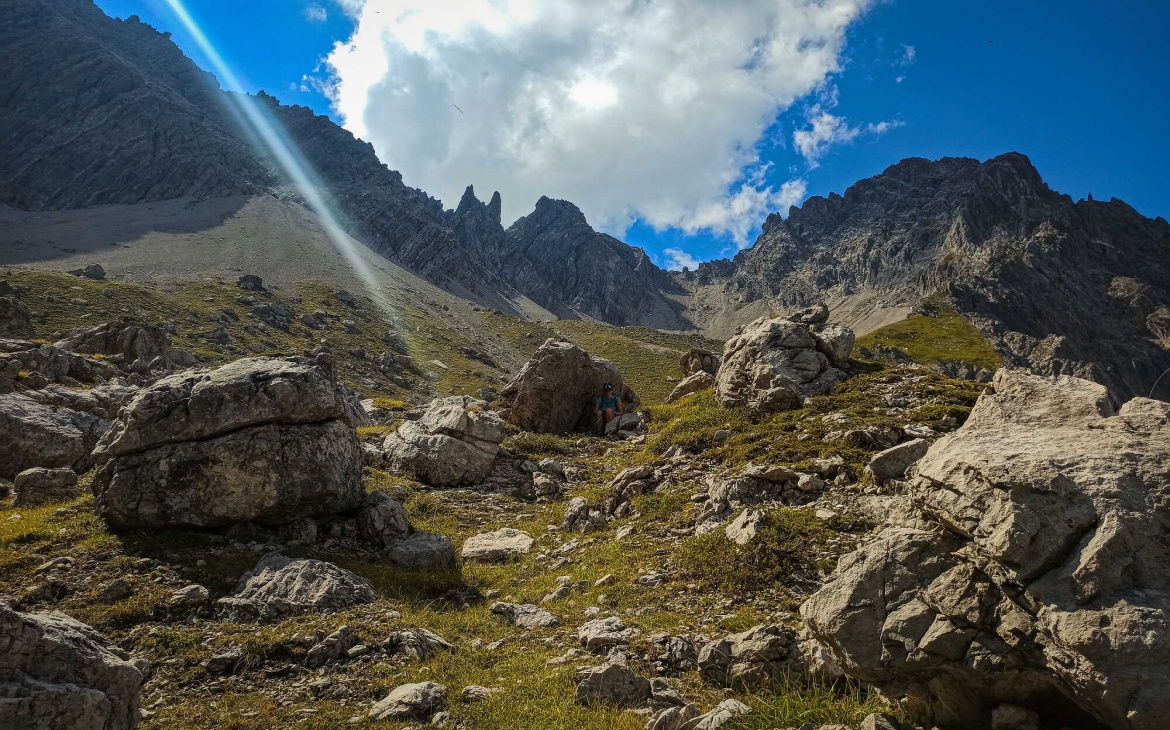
(410, 702)
(492, 547)
(192, 595)
(525, 615)
(475, 693)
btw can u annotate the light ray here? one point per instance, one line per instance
(275, 139)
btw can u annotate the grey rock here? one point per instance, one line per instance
(191, 596)
(278, 587)
(525, 615)
(555, 390)
(879, 721)
(604, 633)
(674, 718)
(724, 712)
(36, 435)
(1039, 568)
(250, 282)
(330, 649)
(410, 702)
(498, 546)
(424, 551)
(624, 425)
(894, 461)
(125, 339)
(580, 517)
(773, 365)
(613, 685)
(455, 442)
(753, 657)
(382, 519)
(90, 271)
(694, 383)
(225, 662)
(261, 439)
(418, 644)
(474, 693)
(746, 527)
(56, 672)
(698, 361)
(15, 318)
(38, 486)
(836, 342)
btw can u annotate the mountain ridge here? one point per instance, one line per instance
(1061, 286)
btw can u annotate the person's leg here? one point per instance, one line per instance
(609, 415)
(599, 423)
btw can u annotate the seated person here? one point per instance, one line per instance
(606, 408)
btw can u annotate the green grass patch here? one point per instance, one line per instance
(786, 547)
(942, 335)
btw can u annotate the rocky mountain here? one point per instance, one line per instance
(101, 111)
(1062, 286)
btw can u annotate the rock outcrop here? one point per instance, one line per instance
(556, 388)
(56, 672)
(125, 342)
(455, 442)
(753, 657)
(37, 435)
(1043, 585)
(775, 364)
(15, 318)
(261, 439)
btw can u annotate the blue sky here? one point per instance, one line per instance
(1082, 88)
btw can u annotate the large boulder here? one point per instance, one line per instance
(278, 587)
(775, 364)
(1044, 584)
(261, 439)
(56, 672)
(455, 442)
(124, 341)
(555, 390)
(15, 318)
(37, 435)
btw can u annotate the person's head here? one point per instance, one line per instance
(607, 389)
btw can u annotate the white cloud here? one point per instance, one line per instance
(908, 55)
(351, 8)
(316, 14)
(677, 260)
(827, 129)
(631, 109)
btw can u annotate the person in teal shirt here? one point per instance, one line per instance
(607, 407)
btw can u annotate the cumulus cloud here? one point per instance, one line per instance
(316, 14)
(630, 108)
(827, 129)
(677, 260)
